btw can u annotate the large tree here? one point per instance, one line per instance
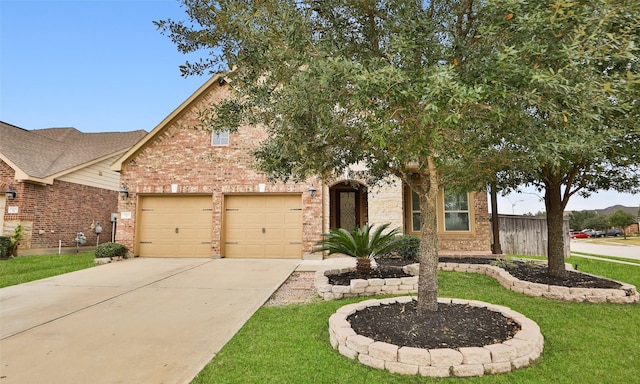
(384, 84)
(622, 219)
(571, 71)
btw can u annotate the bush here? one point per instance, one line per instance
(111, 250)
(15, 241)
(5, 247)
(407, 248)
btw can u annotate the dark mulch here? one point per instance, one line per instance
(451, 326)
(392, 268)
(382, 272)
(538, 274)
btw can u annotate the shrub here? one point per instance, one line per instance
(363, 243)
(111, 250)
(5, 247)
(15, 241)
(408, 247)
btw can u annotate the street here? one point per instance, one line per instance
(613, 249)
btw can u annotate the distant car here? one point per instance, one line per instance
(593, 233)
(615, 232)
(579, 235)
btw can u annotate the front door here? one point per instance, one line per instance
(347, 216)
(348, 206)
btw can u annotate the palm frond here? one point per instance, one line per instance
(360, 242)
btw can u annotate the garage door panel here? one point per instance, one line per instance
(253, 234)
(263, 226)
(292, 235)
(175, 226)
(234, 219)
(292, 220)
(291, 250)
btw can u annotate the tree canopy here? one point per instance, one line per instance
(456, 92)
(571, 72)
(622, 219)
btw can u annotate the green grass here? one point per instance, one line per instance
(627, 260)
(630, 240)
(23, 269)
(584, 342)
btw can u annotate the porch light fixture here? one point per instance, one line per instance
(11, 193)
(124, 192)
(312, 191)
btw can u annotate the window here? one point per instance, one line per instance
(415, 212)
(456, 212)
(220, 138)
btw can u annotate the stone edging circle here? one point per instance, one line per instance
(626, 294)
(520, 351)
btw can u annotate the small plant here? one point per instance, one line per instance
(15, 241)
(533, 264)
(361, 243)
(407, 248)
(111, 250)
(503, 263)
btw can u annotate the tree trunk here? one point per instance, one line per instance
(428, 277)
(555, 227)
(363, 265)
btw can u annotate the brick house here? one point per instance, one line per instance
(194, 193)
(56, 182)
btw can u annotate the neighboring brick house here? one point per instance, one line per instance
(56, 182)
(194, 193)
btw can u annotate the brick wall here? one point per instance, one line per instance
(182, 155)
(480, 239)
(49, 213)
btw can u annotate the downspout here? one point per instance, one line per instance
(496, 247)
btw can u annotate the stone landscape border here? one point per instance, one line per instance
(626, 294)
(518, 352)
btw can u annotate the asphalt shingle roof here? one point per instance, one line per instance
(45, 152)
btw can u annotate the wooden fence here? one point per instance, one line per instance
(527, 235)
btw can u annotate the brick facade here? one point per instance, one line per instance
(479, 239)
(183, 156)
(52, 213)
(176, 157)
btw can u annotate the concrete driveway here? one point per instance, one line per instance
(138, 321)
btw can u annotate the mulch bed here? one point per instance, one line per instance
(452, 325)
(392, 268)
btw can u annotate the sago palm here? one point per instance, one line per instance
(362, 243)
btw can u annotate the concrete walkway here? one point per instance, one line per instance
(137, 321)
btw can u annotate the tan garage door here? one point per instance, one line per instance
(175, 226)
(265, 226)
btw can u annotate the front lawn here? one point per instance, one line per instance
(23, 269)
(630, 240)
(584, 343)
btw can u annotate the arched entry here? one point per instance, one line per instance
(348, 203)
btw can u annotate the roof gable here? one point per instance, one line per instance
(207, 88)
(41, 154)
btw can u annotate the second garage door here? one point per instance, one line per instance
(264, 226)
(175, 226)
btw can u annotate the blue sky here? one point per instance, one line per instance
(96, 65)
(101, 66)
